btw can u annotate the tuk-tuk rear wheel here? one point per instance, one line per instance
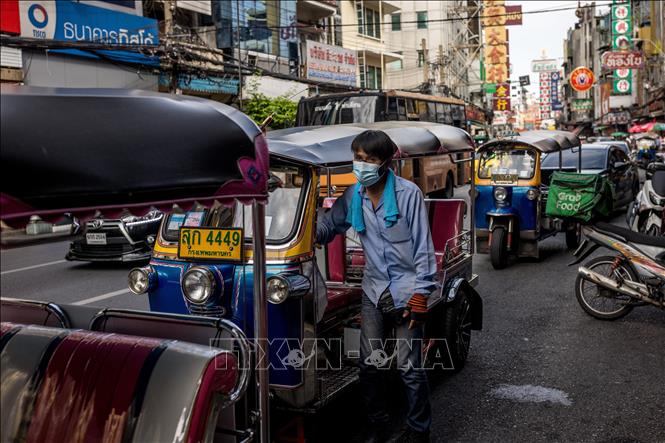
(499, 248)
(457, 330)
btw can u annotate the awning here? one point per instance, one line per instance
(208, 85)
(647, 127)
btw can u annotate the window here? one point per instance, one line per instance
(396, 65)
(369, 21)
(396, 20)
(422, 19)
(341, 110)
(421, 58)
(518, 163)
(373, 78)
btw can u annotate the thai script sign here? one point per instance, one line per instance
(622, 60)
(545, 65)
(331, 64)
(66, 20)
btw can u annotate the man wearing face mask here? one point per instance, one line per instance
(389, 215)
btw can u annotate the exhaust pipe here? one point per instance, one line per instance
(608, 283)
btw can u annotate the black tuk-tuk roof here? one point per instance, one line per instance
(328, 146)
(64, 149)
(542, 140)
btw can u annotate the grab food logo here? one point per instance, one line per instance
(38, 19)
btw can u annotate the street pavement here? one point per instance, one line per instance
(540, 370)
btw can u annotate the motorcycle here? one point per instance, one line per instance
(645, 214)
(610, 286)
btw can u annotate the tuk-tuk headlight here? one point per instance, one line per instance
(198, 284)
(277, 290)
(532, 194)
(280, 287)
(140, 280)
(500, 193)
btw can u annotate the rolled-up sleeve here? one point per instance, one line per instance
(423, 247)
(333, 221)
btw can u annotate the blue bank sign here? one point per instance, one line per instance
(66, 20)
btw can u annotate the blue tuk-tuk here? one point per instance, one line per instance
(511, 195)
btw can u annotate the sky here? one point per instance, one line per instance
(539, 32)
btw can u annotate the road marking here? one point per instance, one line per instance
(532, 394)
(87, 301)
(27, 268)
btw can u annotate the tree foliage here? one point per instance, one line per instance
(259, 106)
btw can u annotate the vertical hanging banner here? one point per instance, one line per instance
(495, 17)
(545, 95)
(502, 97)
(622, 28)
(555, 100)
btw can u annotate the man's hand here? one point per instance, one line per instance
(413, 323)
(416, 309)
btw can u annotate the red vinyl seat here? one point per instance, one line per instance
(92, 386)
(446, 221)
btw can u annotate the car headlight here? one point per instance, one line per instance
(140, 280)
(277, 290)
(150, 217)
(500, 193)
(198, 284)
(532, 194)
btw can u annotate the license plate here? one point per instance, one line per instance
(95, 238)
(210, 244)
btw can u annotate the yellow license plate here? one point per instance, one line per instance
(210, 244)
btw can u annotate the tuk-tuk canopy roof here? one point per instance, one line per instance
(329, 146)
(542, 140)
(81, 149)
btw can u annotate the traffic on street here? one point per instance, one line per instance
(332, 220)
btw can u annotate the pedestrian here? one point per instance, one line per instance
(389, 215)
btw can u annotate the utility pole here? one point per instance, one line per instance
(442, 74)
(423, 47)
(169, 27)
(237, 41)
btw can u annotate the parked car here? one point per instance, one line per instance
(126, 239)
(618, 143)
(607, 160)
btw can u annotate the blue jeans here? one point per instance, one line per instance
(375, 326)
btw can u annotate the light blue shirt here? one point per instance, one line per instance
(400, 258)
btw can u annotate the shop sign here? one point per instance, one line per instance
(581, 104)
(525, 80)
(73, 21)
(622, 86)
(620, 42)
(555, 78)
(622, 60)
(332, 64)
(621, 12)
(616, 118)
(582, 79)
(623, 27)
(548, 65)
(502, 97)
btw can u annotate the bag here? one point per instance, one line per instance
(579, 196)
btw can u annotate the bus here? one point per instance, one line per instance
(376, 106)
(437, 175)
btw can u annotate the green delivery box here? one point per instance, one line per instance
(578, 196)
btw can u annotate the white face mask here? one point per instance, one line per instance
(366, 173)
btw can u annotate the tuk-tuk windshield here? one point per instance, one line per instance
(286, 190)
(518, 163)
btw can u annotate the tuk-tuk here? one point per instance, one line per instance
(646, 148)
(82, 373)
(511, 195)
(313, 293)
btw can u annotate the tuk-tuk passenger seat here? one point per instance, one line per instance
(446, 221)
(96, 385)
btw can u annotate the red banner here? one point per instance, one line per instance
(502, 97)
(513, 15)
(9, 18)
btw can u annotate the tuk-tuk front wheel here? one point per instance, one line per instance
(499, 248)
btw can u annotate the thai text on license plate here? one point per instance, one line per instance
(210, 244)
